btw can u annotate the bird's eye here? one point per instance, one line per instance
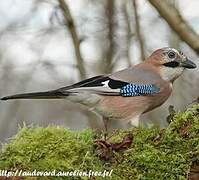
(171, 55)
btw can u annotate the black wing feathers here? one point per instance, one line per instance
(116, 84)
(97, 81)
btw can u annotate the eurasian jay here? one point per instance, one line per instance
(126, 94)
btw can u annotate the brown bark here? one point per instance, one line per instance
(129, 33)
(177, 23)
(108, 67)
(138, 31)
(68, 20)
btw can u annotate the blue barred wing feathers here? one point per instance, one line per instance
(138, 90)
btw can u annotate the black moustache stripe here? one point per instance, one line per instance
(172, 64)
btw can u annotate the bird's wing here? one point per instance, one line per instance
(128, 82)
(107, 85)
(102, 85)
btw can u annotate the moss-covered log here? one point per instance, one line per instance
(154, 154)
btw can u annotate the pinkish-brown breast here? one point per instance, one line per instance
(118, 107)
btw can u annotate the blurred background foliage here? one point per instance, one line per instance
(47, 44)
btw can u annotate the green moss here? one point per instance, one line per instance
(154, 153)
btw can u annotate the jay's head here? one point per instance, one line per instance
(170, 62)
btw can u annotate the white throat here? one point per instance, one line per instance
(170, 74)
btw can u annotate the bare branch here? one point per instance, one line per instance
(174, 40)
(138, 31)
(109, 58)
(129, 34)
(177, 23)
(68, 20)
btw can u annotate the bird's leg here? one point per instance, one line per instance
(105, 122)
(106, 137)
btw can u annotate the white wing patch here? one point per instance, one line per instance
(105, 83)
(105, 89)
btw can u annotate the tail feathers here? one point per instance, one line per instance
(38, 95)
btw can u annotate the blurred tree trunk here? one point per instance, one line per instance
(129, 33)
(69, 22)
(177, 23)
(138, 30)
(174, 40)
(108, 66)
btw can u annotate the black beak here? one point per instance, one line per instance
(188, 64)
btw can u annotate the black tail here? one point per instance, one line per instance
(55, 94)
